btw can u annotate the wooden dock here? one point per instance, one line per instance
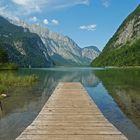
(70, 114)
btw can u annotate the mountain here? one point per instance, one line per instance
(61, 49)
(89, 53)
(123, 49)
(23, 47)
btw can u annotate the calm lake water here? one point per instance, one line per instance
(115, 91)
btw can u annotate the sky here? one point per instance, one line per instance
(87, 22)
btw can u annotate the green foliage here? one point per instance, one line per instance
(124, 86)
(3, 56)
(10, 80)
(3, 89)
(8, 66)
(23, 47)
(121, 55)
(127, 55)
(109, 45)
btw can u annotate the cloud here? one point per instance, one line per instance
(21, 2)
(45, 21)
(106, 3)
(24, 8)
(69, 3)
(28, 5)
(91, 27)
(5, 12)
(34, 19)
(3, 8)
(38, 5)
(55, 22)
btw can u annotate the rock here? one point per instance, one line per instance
(123, 49)
(3, 95)
(61, 49)
(23, 48)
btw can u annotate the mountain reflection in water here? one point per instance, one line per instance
(116, 92)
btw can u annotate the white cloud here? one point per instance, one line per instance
(3, 8)
(34, 19)
(45, 21)
(6, 13)
(91, 27)
(55, 22)
(68, 3)
(38, 5)
(106, 3)
(21, 2)
(28, 5)
(18, 8)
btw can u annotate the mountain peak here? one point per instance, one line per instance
(61, 49)
(92, 47)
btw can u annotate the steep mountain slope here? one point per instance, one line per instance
(23, 48)
(61, 49)
(89, 53)
(123, 49)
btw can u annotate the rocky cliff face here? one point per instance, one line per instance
(123, 49)
(90, 53)
(61, 49)
(129, 30)
(23, 48)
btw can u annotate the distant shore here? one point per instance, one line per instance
(123, 67)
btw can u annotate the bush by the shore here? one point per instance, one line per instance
(10, 80)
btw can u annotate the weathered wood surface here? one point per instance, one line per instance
(70, 114)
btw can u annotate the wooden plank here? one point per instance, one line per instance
(71, 137)
(70, 114)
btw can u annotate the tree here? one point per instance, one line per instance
(3, 56)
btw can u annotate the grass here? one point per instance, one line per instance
(8, 66)
(11, 80)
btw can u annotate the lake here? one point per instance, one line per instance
(115, 91)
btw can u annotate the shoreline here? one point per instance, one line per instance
(122, 67)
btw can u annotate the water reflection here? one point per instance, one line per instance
(124, 87)
(18, 111)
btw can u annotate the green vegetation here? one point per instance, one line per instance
(127, 55)
(22, 47)
(11, 80)
(4, 65)
(123, 86)
(8, 66)
(110, 44)
(3, 56)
